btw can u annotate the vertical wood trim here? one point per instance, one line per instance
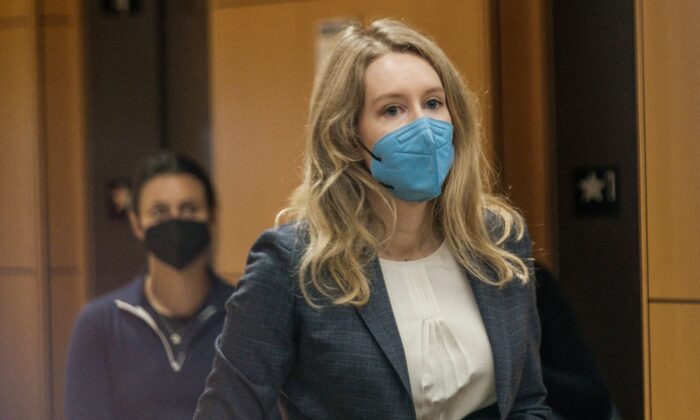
(643, 230)
(43, 213)
(78, 39)
(61, 84)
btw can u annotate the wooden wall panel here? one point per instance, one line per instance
(42, 221)
(675, 360)
(65, 154)
(18, 148)
(526, 117)
(65, 179)
(22, 349)
(262, 68)
(669, 92)
(14, 8)
(59, 7)
(67, 297)
(671, 61)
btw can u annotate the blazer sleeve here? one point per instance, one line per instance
(88, 393)
(529, 402)
(256, 348)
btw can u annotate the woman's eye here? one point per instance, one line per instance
(433, 104)
(391, 111)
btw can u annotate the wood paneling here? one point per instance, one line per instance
(18, 148)
(262, 68)
(43, 195)
(526, 119)
(60, 7)
(65, 154)
(675, 361)
(669, 118)
(65, 178)
(239, 3)
(671, 60)
(67, 297)
(22, 348)
(14, 8)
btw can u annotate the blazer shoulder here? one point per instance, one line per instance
(274, 258)
(290, 238)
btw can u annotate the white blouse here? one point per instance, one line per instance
(450, 364)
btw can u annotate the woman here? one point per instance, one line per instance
(400, 287)
(144, 350)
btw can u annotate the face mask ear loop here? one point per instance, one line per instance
(377, 158)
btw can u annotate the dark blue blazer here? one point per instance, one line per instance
(343, 362)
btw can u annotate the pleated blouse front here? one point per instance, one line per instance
(449, 358)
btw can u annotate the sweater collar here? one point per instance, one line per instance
(218, 295)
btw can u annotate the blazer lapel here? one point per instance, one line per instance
(495, 322)
(379, 318)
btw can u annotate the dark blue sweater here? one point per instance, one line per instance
(121, 365)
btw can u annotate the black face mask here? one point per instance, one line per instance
(177, 242)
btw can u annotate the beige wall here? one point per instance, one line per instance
(262, 67)
(669, 99)
(41, 224)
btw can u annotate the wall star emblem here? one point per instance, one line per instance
(591, 188)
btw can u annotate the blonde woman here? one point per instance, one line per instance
(400, 286)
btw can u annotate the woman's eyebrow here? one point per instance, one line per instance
(392, 96)
(387, 96)
(437, 89)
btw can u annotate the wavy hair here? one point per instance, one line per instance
(331, 205)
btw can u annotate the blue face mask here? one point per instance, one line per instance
(414, 160)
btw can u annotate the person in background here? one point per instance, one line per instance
(401, 288)
(575, 388)
(144, 351)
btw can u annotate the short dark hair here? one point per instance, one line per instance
(167, 162)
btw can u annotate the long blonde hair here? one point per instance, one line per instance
(331, 204)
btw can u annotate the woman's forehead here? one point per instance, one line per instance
(393, 73)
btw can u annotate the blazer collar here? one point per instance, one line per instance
(378, 315)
